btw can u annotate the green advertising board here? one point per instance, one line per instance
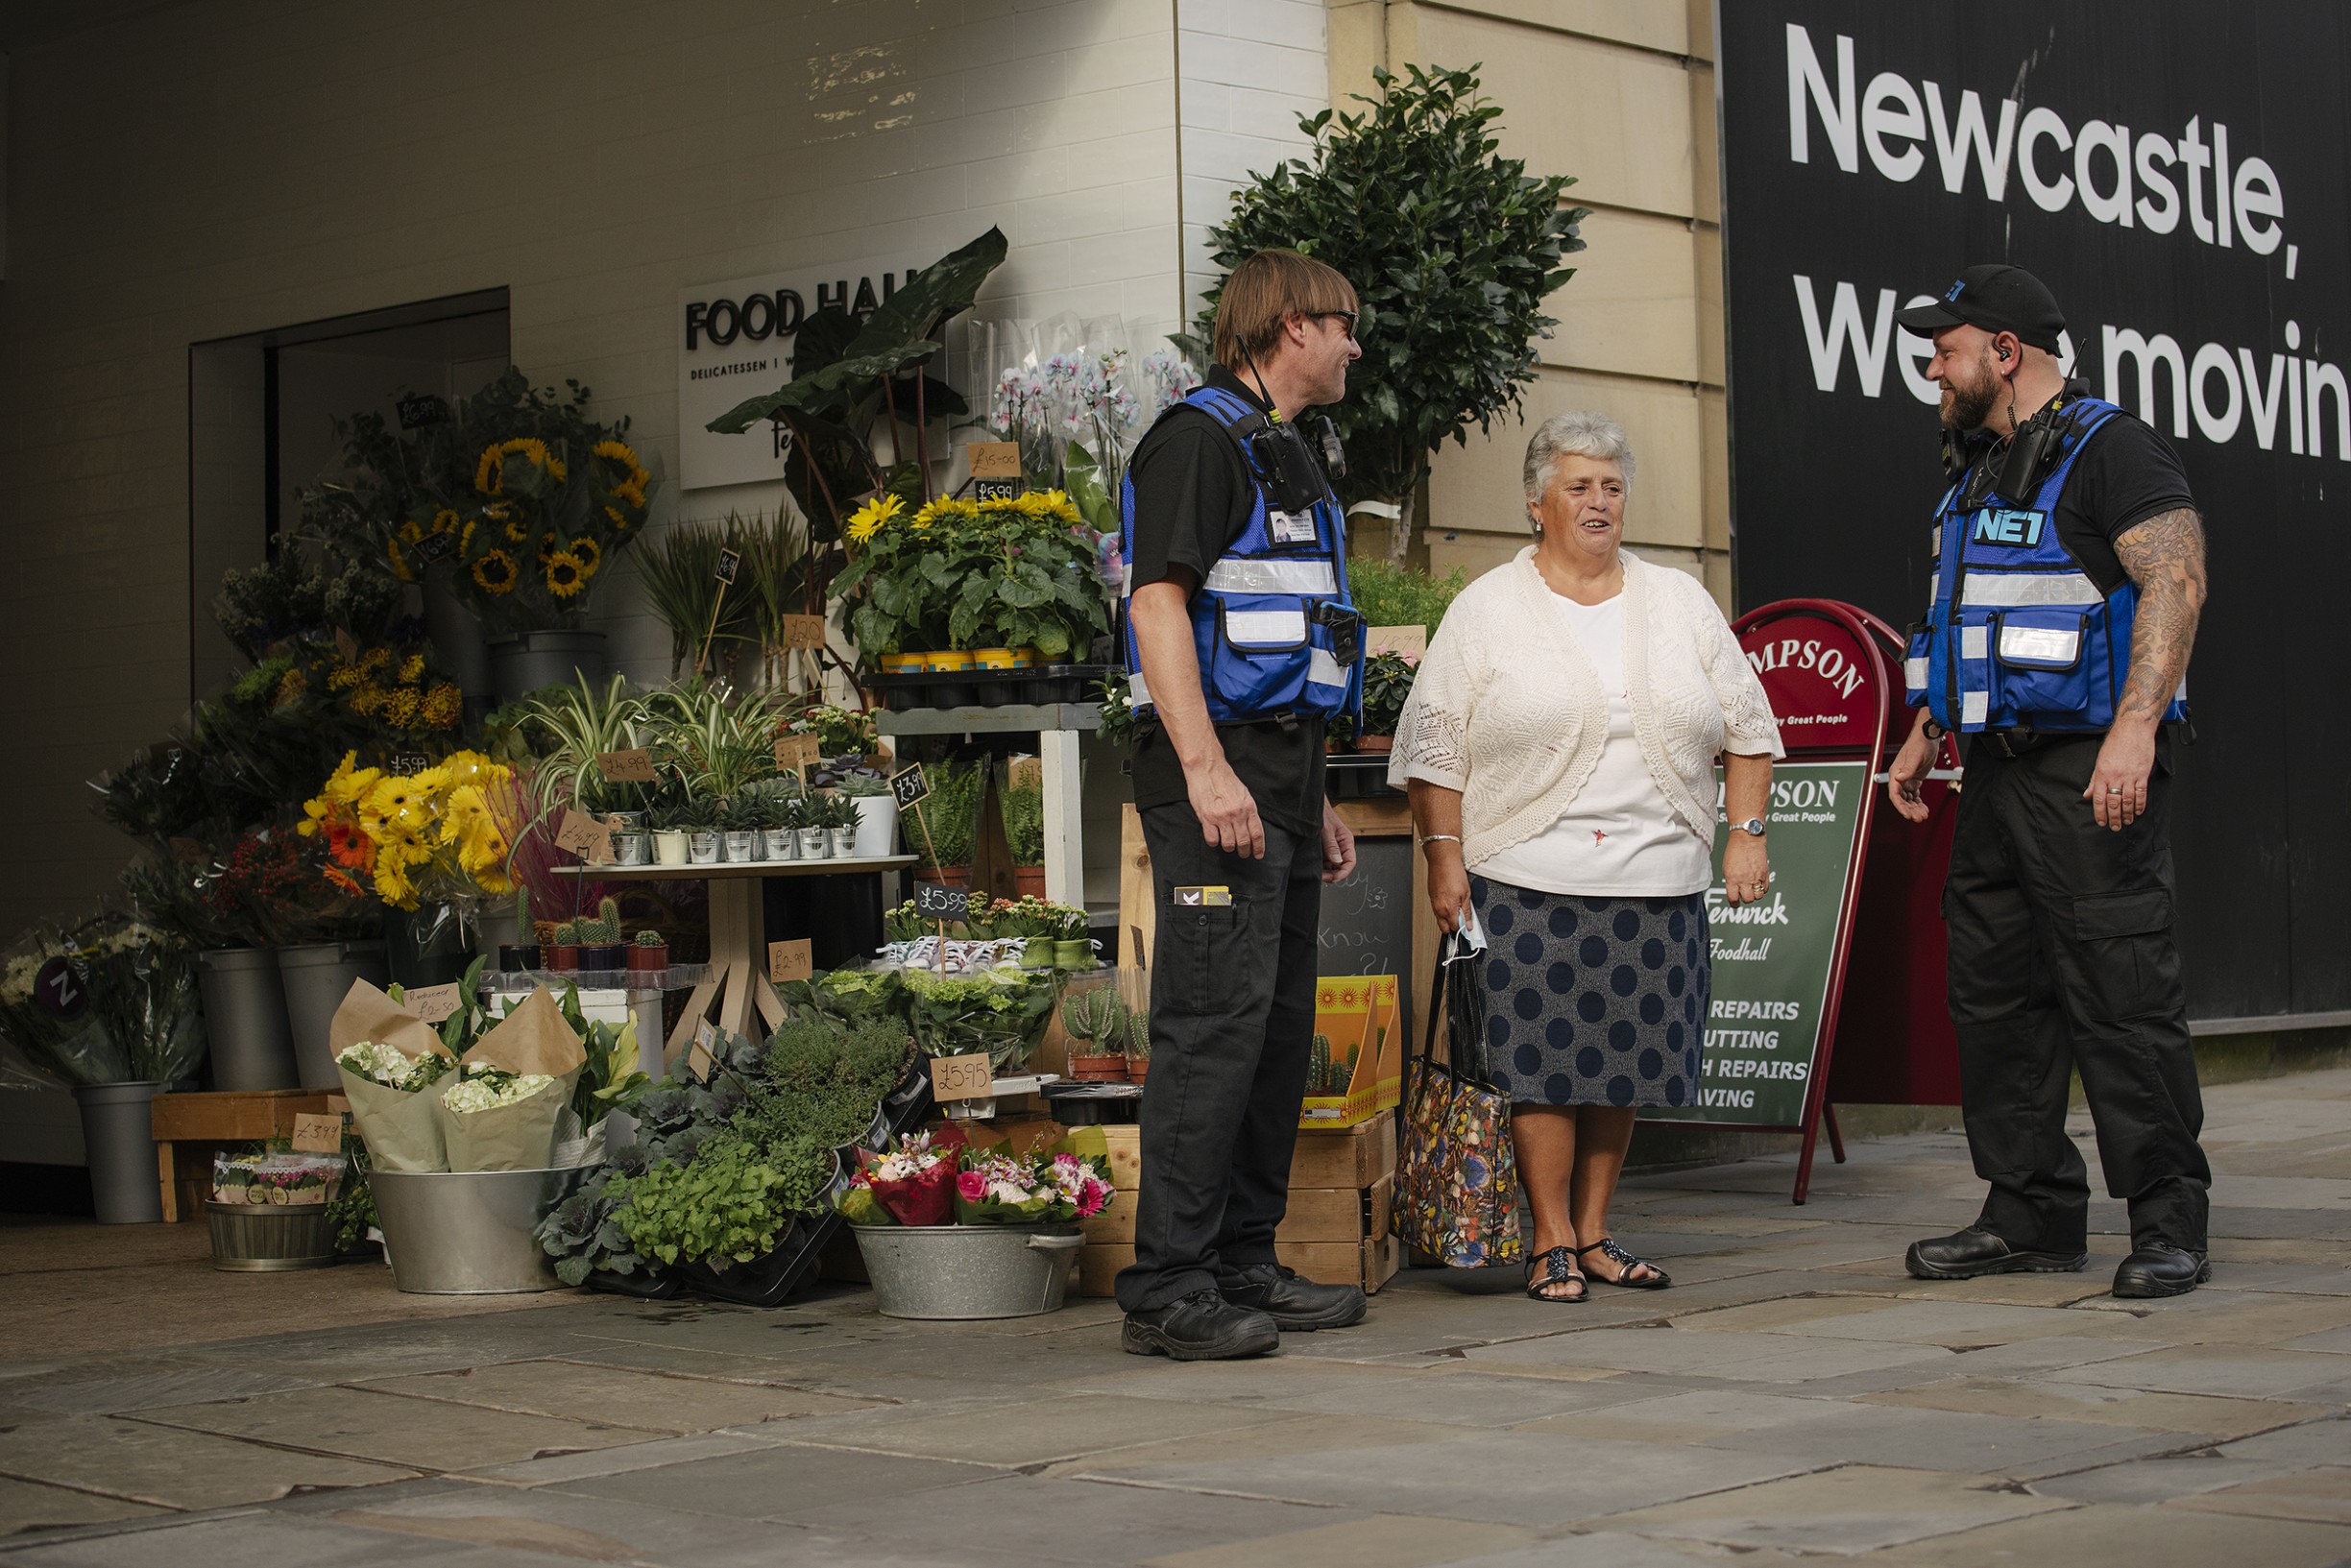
(1771, 959)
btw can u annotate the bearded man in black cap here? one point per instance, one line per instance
(2069, 575)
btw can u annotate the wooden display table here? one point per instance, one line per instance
(190, 1130)
(737, 985)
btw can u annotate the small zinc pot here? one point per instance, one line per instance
(118, 1139)
(815, 843)
(780, 844)
(842, 842)
(252, 1044)
(632, 847)
(702, 848)
(625, 822)
(742, 846)
(967, 1272)
(254, 1239)
(670, 847)
(1076, 953)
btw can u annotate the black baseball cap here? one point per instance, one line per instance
(1999, 298)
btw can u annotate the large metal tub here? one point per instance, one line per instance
(960, 1272)
(469, 1233)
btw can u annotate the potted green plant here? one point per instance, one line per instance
(738, 821)
(815, 837)
(601, 938)
(1388, 680)
(671, 846)
(700, 817)
(778, 841)
(562, 953)
(1095, 1022)
(647, 955)
(1138, 1044)
(1073, 948)
(840, 820)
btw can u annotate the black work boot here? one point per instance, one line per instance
(2160, 1269)
(1201, 1327)
(1297, 1306)
(1973, 1251)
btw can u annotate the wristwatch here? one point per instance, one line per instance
(1753, 825)
(1931, 730)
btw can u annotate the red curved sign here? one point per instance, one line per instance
(1822, 678)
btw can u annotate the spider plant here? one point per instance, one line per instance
(714, 739)
(777, 561)
(579, 724)
(681, 581)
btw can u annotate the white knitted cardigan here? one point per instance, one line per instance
(1507, 709)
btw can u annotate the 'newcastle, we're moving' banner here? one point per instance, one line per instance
(2180, 175)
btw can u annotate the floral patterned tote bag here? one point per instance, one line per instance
(1456, 1178)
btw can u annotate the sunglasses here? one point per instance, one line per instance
(1350, 317)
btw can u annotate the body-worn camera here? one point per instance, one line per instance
(2015, 474)
(1346, 630)
(1285, 466)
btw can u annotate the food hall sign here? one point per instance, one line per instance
(734, 340)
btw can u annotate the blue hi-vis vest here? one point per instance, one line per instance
(2017, 635)
(1260, 653)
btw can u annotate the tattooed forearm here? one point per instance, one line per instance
(2165, 557)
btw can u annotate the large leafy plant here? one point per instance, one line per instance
(1018, 573)
(1451, 250)
(853, 381)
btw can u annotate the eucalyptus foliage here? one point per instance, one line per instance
(1451, 248)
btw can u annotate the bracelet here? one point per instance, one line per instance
(1439, 839)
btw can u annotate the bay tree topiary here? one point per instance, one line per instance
(1452, 249)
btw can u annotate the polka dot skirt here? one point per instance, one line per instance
(1593, 1000)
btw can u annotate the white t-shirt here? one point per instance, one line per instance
(1618, 837)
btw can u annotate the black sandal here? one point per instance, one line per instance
(1657, 1278)
(1559, 1268)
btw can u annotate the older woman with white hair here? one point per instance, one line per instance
(1560, 746)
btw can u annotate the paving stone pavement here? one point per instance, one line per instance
(1795, 1396)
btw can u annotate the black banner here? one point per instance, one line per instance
(2180, 175)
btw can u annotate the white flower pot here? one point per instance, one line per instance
(670, 847)
(877, 828)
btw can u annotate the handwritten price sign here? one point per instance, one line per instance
(961, 1077)
(936, 902)
(910, 786)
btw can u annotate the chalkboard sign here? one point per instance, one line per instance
(1368, 919)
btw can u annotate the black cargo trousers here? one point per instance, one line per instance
(1232, 1010)
(2062, 957)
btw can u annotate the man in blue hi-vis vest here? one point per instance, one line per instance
(1242, 641)
(2068, 577)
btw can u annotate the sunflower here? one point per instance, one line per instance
(589, 552)
(566, 574)
(444, 521)
(490, 473)
(494, 573)
(546, 545)
(870, 518)
(517, 532)
(398, 561)
(411, 532)
(619, 521)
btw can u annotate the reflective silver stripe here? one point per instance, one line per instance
(1321, 669)
(2050, 644)
(1914, 674)
(1974, 706)
(1937, 536)
(2018, 587)
(1973, 641)
(1232, 576)
(1266, 628)
(1137, 693)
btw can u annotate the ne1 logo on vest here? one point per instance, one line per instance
(2003, 526)
(734, 340)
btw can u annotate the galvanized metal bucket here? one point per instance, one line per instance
(963, 1271)
(258, 1238)
(470, 1232)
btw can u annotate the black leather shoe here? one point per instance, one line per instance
(1297, 1306)
(1968, 1253)
(1201, 1327)
(2160, 1269)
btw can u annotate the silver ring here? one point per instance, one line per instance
(2114, 789)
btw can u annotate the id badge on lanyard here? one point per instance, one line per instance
(1291, 527)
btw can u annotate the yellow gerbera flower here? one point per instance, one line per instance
(869, 520)
(566, 574)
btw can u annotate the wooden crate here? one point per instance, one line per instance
(190, 1130)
